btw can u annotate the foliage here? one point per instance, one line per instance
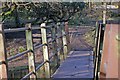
(22, 12)
(88, 16)
(21, 49)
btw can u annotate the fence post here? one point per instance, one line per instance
(65, 48)
(31, 56)
(59, 42)
(3, 55)
(54, 45)
(45, 50)
(67, 35)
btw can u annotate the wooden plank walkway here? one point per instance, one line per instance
(78, 64)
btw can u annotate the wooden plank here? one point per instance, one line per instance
(3, 55)
(45, 50)
(31, 56)
(76, 65)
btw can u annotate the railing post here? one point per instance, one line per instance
(67, 35)
(59, 42)
(3, 55)
(31, 56)
(45, 50)
(65, 46)
(54, 45)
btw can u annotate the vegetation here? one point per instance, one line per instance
(77, 13)
(22, 12)
(89, 37)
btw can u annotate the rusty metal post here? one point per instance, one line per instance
(3, 55)
(45, 50)
(60, 43)
(31, 56)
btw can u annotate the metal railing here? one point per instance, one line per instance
(60, 44)
(98, 48)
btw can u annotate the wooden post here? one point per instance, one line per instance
(3, 55)
(31, 56)
(65, 48)
(54, 45)
(104, 13)
(67, 35)
(60, 43)
(45, 50)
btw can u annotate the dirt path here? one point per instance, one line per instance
(79, 40)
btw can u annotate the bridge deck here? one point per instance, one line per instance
(78, 64)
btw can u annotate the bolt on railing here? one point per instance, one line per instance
(59, 44)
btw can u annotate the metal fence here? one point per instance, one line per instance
(98, 48)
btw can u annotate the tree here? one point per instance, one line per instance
(39, 12)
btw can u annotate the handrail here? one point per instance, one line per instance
(10, 30)
(36, 47)
(15, 30)
(97, 54)
(18, 55)
(40, 65)
(26, 76)
(61, 37)
(30, 73)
